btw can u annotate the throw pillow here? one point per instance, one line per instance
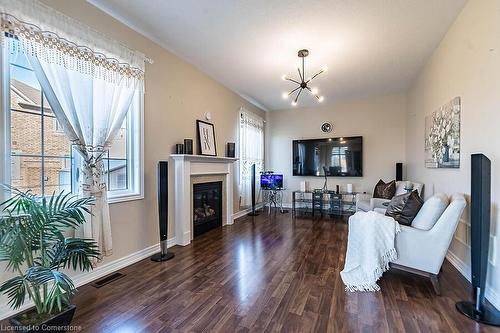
(431, 211)
(403, 208)
(384, 190)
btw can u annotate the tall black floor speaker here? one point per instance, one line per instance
(480, 236)
(399, 171)
(163, 212)
(252, 187)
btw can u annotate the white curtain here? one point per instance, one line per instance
(89, 81)
(251, 147)
(90, 111)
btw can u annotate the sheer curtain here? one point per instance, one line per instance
(90, 111)
(89, 87)
(251, 148)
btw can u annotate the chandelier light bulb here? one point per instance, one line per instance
(321, 99)
(314, 91)
(283, 77)
(294, 103)
(324, 68)
(284, 95)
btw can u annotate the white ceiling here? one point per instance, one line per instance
(371, 47)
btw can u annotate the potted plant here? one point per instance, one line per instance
(34, 245)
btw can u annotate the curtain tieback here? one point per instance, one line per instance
(96, 194)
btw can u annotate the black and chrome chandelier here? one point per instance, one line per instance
(302, 82)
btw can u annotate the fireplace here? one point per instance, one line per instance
(190, 170)
(207, 207)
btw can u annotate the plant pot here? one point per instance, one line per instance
(58, 322)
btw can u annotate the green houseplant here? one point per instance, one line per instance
(34, 246)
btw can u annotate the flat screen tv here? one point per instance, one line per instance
(271, 181)
(337, 157)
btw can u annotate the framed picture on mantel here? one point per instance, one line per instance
(206, 138)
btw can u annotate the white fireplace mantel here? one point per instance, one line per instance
(187, 166)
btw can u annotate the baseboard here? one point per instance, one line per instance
(491, 295)
(459, 264)
(106, 269)
(99, 272)
(245, 211)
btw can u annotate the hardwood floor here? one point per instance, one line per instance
(268, 274)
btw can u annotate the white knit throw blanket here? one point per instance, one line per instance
(370, 248)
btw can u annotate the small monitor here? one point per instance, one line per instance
(271, 181)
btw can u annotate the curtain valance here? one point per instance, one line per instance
(251, 120)
(55, 38)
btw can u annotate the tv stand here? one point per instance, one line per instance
(323, 203)
(273, 196)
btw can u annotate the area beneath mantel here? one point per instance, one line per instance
(185, 169)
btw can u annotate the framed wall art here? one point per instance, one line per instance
(206, 138)
(442, 136)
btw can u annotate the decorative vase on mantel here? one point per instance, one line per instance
(446, 154)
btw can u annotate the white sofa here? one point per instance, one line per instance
(422, 247)
(366, 202)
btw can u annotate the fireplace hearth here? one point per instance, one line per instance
(207, 207)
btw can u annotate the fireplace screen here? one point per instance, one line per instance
(207, 207)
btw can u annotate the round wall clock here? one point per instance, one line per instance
(326, 127)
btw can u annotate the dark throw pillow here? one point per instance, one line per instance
(384, 190)
(404, 207)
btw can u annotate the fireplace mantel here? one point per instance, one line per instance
(202, 158)
(184, 168)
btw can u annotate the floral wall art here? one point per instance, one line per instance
(442, 136)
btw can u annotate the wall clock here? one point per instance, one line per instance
(326, 127)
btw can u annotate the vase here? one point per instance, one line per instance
(446, 154)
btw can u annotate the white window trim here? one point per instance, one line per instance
(135, 140)
(4, 121)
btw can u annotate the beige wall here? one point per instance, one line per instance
(466, 64)
(176, 95)
(380, 120)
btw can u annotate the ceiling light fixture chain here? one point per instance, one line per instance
(303, 83)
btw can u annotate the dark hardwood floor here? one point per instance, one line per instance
(268, 274)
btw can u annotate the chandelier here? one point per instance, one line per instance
(302, 82)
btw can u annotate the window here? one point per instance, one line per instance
(38, 157)
(251, 151)
(42, 159)
(116, 162)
